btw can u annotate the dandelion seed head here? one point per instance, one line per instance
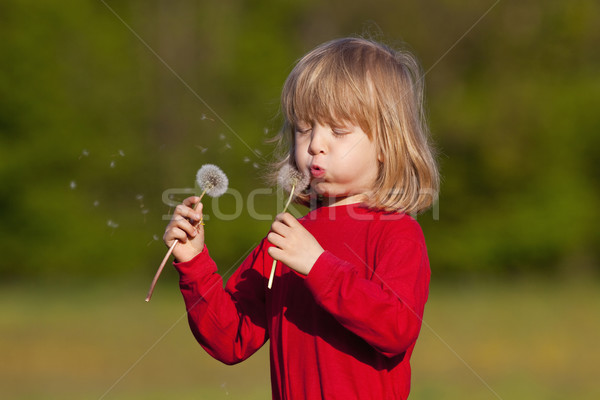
(222, 136)
(289, 177)
(211, 179)
(73, 185)
(96, 203)
(246, 160)
(112, 224)
(112, 164)
(255, 165)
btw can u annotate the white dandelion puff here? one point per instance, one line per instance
(212, 180)
(73, 185)
(292, 180)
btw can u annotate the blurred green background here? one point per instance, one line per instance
(108, 108)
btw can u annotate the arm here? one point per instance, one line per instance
(229, 323)
(385, 310)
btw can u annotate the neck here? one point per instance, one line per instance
(341, 201)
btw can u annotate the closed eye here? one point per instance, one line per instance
(302, 129)
(340, 132)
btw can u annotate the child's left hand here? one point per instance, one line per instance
(293, 245)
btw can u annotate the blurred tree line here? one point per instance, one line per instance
(106, 107)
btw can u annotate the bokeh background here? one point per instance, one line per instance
(108, 108)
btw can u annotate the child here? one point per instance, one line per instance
(352, 279)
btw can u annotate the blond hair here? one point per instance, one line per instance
(381, 90)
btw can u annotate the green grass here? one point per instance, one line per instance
(527, 340)
(479, 341)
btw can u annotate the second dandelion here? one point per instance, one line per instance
(294, 182)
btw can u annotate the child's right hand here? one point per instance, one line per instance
(184, 227)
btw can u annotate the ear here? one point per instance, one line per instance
(379, 148)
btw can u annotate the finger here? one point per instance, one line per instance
(291, 220)
(280, 228)
(186, 211)
(191, 201)
(186, 226)
(183, 211)
(280, 217)
(275, 253)
(275, 239)
(287, 219)
(175, 234)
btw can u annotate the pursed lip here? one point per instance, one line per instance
(316, 171)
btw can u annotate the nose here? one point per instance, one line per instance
(317, 140)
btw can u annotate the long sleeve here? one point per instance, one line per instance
(381, 301)
(229, 323)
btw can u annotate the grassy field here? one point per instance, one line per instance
(480, 341)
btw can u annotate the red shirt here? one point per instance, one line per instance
(345, 331)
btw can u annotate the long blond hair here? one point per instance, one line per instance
(381, 90)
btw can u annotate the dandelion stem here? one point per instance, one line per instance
(289, 198)
(275, 261)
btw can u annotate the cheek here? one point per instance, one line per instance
(300, 154)
(363, 168)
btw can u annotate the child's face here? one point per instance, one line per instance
(341, 160)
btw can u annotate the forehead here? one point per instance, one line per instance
(336, 83)
(328, 100)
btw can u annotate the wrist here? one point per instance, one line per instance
(313, 260)
(196, 267)
(187, 256)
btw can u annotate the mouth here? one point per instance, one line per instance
(316, 171)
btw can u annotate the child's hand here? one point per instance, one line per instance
(293, 244)
(185, 228)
